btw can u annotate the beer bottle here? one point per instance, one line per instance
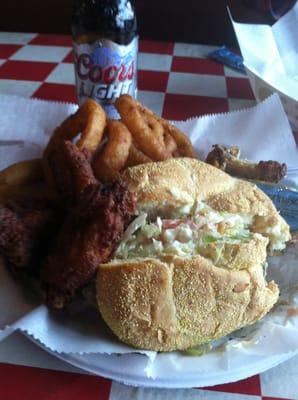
(105, 43)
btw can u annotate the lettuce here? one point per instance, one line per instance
(237, 237)
(207, 239)
(150, 230)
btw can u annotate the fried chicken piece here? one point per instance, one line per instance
(227, 159)
(89, 236)
(271, 171)
(25, 228)
(70, 171)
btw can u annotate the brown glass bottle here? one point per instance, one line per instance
(105, 45)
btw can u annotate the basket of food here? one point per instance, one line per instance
(135, 247)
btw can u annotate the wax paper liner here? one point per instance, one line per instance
(272, 65)
(262, 132)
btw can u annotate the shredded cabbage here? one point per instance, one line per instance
(134, 226)
(207, 239)
(185, 236)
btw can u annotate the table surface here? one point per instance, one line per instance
(177, 81)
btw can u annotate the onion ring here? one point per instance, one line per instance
(22, 172)
(114, 154)
(146, 130)
(170, 144)
(184, 146)
(90, 120)
(136, 157)
(154, 136)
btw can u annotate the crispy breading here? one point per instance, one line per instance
(90, 234)
(71, 171)
(25, 228)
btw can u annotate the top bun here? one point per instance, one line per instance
(173, 187)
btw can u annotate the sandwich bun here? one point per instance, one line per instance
(163, 188)
(171, 303)
(165, 301)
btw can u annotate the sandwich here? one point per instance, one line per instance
(191, 266)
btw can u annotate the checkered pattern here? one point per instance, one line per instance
(39, 383)
(177, 81)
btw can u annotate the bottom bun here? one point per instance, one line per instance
(173, 303)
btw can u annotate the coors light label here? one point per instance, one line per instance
(105, 70)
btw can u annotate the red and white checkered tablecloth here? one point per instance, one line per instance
(177, 81)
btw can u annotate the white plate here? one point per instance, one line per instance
(130, 369)
(176, 370)
(267, 344)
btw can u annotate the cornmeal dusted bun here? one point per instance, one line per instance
(173, 186)
(173, 303)
(164, 186)
(190, 267)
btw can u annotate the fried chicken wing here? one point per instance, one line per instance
(70, 171)
(89, 236)
(25, 229)
(227, 159)
(92, 219)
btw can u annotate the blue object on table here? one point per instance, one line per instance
(227, 57)
(285, 200)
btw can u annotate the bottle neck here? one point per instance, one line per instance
(111, 19)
